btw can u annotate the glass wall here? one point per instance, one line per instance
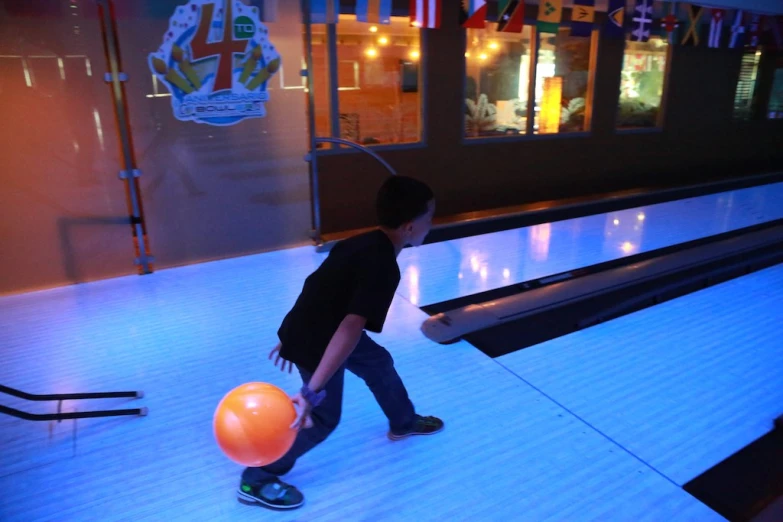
(497, 67)
(222, 155)
(323, 116)
(499, 75)
(63, 211)
(642, 83)
(217, 118)
(377, 81)
(563, 83)
(744, 95)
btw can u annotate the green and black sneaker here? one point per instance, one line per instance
(422, 426)
(272, 493)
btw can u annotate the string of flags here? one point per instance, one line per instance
(683, 23)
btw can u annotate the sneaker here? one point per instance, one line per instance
(272, 493)
(422, 426)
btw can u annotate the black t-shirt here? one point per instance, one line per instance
(360, 276)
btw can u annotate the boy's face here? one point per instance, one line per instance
(420, 227)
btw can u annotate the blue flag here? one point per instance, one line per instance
(324, 11)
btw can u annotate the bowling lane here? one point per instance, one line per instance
(186, 336)
(443, 271)
(681, 385)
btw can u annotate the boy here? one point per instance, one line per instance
(323, 335)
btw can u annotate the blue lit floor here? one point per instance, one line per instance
(605, 424)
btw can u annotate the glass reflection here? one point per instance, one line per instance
(540, 237)
(623, 233)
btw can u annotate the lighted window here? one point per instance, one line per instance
(563, 83)
(775, 108)
(498, 80)
(367, 81)
(497, 66)
(321, 98)
(642, 83)
(746, 85)
(379, 95)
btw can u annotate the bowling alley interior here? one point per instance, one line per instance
(594, 314)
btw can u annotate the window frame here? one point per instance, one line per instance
(660, 120)
(535, 36)
(334, 98)
(752, 112)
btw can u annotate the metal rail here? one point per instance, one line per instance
(60, 397)
(314, 180)
(360, 147)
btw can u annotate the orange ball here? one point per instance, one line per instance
(252, 424)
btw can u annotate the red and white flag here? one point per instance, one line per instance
(476, 13)
(425, 13)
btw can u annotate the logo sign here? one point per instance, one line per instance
(216, 60)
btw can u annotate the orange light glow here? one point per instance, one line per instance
(551, 105)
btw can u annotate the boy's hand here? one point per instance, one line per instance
(303, 419)
(276, 353)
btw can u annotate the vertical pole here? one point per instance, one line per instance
(593, 66)
(129, 173)
(660, 120)
(312, 156)
(535, 38)
(334, 83)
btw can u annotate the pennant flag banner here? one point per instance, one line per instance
(511, 16)
(692, 35)
(582, 18)
(425, 13)
(670, 22)
(615, 19)
(374, 11)
(324, 11)
(737, 30)
(550, 13)
(756, 22)
(476, 11)
(716, 27)
(642, 20)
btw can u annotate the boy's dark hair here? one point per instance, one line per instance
(401, 199)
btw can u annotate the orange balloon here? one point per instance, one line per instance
(252, 424)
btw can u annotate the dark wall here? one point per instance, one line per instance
(699, 140)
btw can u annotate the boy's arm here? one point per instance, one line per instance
(339, 348)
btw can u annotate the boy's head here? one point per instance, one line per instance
(406, 205)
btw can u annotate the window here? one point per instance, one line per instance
(642, 84)
(562, 83)
(497, 67)
(499, 75)
(323, 118)
(377, 80)
(775, 109)
(746, 85)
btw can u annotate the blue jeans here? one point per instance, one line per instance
(374, 365)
